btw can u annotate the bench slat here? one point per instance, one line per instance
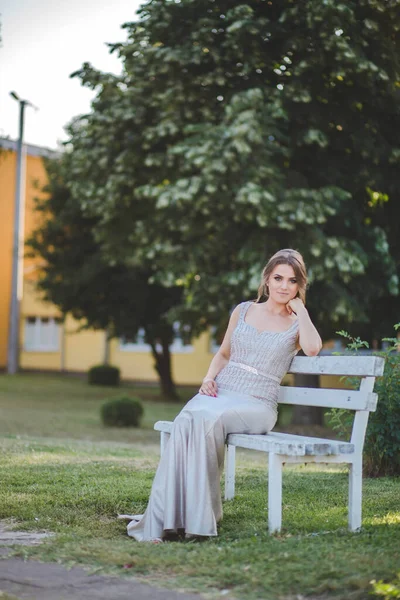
(352, 399)
(280, 443)
(338, 365)
(313, 445)
(265, 444)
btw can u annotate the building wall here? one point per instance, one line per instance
(78, 349)
(187, 368)
(34, 178)
(7, 192)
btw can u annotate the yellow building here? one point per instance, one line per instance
(46, 343)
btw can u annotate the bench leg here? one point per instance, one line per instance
(230, 472)
(274, 492)
(355, 494)
(163, 441)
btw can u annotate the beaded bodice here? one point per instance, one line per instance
(258, 360)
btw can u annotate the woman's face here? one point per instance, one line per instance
(282, 284)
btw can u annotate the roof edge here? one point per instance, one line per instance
(30, 149)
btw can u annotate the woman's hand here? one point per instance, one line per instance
(309, 339)
(209, 387)
(295, 305)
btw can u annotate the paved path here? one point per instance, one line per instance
(41, 581)
(34, 580)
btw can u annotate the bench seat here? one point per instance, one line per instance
(290, 444)
(280, 443)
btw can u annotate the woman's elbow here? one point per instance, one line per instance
(312, 350)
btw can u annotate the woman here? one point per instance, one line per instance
(239, 394)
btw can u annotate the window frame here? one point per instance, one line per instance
(33, 339)
(177, 346)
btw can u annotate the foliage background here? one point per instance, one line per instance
(382, 440)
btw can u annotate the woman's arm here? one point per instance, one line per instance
(221, 358)
(309, 339)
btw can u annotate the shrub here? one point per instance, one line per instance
(122, 412)
(382, 440)
(104, 375)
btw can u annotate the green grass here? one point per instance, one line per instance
(67, 407)
(75, 488)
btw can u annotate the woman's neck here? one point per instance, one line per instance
(275, 309)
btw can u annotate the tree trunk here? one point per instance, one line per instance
(307, 415)
(106, 347)
(163, 367)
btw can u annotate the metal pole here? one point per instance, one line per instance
(17, 255)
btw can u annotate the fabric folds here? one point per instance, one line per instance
(186, 490)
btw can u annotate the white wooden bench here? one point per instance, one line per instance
(288, 448)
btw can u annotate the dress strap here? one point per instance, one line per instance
(244, 307)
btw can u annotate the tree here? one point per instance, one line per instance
(242, 129)
(76, 277)
(247, 128)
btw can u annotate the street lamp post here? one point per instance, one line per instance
(18, 247)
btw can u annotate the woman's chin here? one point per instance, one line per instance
(282, 298)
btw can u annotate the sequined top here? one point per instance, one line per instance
(259, 359)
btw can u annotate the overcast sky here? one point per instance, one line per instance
(43, 42)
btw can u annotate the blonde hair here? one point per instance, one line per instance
(285, 257)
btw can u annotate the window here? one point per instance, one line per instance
(135, 344)
(180, 344)
(42, 334)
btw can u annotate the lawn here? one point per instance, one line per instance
(61, 471)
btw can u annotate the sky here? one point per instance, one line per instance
(43, 42)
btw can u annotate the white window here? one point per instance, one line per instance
(42, 334)
(180, 344)
(135, 344)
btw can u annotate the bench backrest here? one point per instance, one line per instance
(366, 367)
(362, 400)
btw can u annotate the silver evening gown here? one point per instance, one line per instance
(186, 488)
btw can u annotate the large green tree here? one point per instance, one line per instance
(76, 276)
(246, 128)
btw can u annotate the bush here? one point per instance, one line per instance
(382, 440)
(122, 412)
(104, 375)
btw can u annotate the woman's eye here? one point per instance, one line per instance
(293, 281)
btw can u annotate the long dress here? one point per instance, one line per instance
(186, 489)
